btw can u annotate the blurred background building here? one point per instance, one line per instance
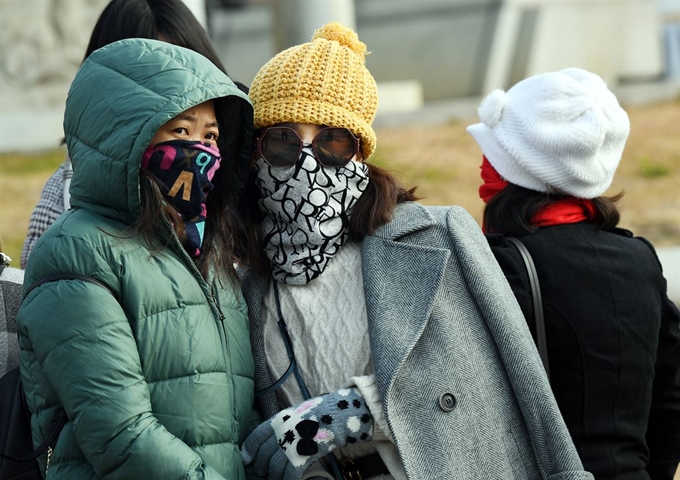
(422, 52)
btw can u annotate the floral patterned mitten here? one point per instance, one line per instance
(286, 445)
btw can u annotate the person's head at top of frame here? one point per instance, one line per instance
(170, 21)
(168, 142)
(551, 145)
(314, 104)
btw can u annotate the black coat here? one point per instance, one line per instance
(613, 344)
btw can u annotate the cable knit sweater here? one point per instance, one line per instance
(328, 327)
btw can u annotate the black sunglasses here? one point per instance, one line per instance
(281, 146)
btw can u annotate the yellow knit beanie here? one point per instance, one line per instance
(323, 82)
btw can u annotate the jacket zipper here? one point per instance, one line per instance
(49, 456)
(213, 297)
(217, 304)
(198, 275)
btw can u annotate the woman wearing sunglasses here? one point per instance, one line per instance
(383, 331)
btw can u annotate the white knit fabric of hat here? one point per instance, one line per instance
(562, 131)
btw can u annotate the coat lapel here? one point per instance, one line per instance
(400, 284)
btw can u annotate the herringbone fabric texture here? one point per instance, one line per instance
(11, 290)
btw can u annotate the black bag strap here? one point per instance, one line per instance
(67, 276)
(537, 301)
(49, 440)
(62, 419)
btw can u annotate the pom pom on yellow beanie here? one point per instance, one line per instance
(323, 82)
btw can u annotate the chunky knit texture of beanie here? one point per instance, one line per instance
(323, 82)
(561, 131)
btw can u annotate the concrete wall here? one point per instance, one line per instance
(618, 39)
(42, 43)
(461, 48)
(446, 49)
(443, 44)
(41, 46)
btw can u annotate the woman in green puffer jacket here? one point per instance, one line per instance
(157, 379)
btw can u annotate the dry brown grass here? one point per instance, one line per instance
(444, 162)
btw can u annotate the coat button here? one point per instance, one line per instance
(447, 402)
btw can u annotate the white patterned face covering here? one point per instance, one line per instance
(307, 209)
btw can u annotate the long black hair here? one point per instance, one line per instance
(512, 210)
(167, 20)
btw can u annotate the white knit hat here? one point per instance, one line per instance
(562, 130)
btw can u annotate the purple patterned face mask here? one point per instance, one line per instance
(185, 168)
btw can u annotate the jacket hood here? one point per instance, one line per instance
(121, 96)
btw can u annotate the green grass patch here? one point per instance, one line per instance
(31, 163)
(24, 176)
(651, 169)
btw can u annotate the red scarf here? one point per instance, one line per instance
(559, 212)
(568, 210)
(493, 182)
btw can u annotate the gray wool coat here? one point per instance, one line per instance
(461, 382)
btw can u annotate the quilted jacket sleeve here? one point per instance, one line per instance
(84, 345)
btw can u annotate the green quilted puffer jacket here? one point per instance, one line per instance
(156, 381)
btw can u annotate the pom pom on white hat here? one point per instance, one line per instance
(560, 131)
